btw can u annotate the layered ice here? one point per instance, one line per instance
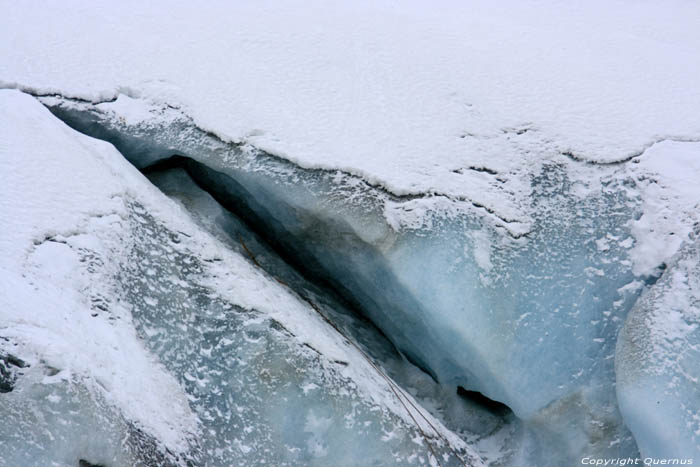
(148, 341)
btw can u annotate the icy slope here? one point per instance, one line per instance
(97, 256)
(658, 362)
(61, 208)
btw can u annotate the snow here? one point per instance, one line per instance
(409, 96)
(87, 222)
(72, 192)
(668, 175)
(571, 127)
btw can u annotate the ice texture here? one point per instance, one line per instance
(493, 184)
(151, 342)
(51, 419)
(658, 362)
(261, 398)
(527, 317)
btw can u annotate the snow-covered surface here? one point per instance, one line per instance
(669, 182)
(58, 185)
(479, 102)
(66, 207)
(409, 95)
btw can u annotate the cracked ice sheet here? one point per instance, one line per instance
(78, 189)
(412, 96)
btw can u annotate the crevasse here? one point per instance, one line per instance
(529, 321)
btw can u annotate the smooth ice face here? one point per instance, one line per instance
(138, 324)
(523, 310)
(539, 313)
(657, 362)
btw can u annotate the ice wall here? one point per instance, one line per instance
(528, 318)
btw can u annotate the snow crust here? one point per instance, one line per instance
(410, 96)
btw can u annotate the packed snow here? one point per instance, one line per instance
(407, 95)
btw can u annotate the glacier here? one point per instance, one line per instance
(111, 273)
(330, 233)
(433, 281)
(477, 358)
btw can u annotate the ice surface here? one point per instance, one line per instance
(657, 362)
(110, 273)
(261, 398)
(525, 313)
(434, 279)
(51, 419)
(657, 351)
(496, 183)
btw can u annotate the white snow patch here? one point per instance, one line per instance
(59, 185)
(412, 96)
(668, 176)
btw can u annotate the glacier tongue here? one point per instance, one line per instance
(657, 362)
(110, 273)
